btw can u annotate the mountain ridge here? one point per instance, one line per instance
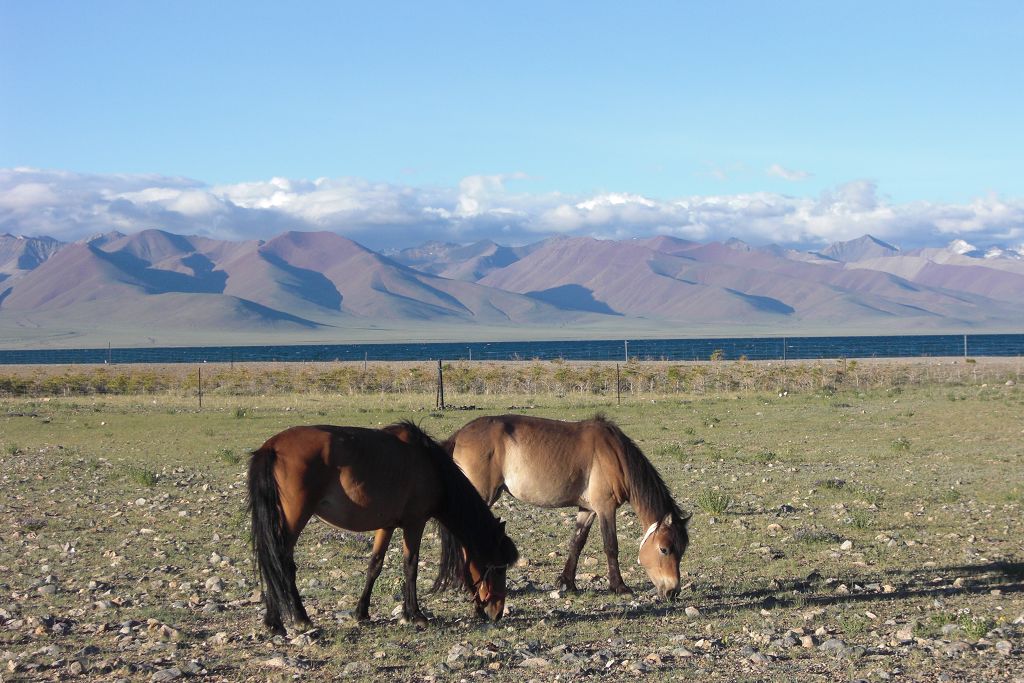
(324, 284)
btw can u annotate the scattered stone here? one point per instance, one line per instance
(681, 652)
(758, 659)
(1004, 648)
(276, 662)
(807, 641)
(535, 663)
(47, 589)
(846, 545)
(957, 648)
(214, 584)
(905, 635)
(356, 669)
(301, 641)
(692, 612)
(833, 646)
(166, 675)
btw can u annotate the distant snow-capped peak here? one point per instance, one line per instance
(959, 246)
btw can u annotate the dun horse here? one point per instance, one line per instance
(590, 464)
(366, 479)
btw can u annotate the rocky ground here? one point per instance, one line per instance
(865, 537)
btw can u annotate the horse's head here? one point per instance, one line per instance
(487, 578)
(661, 550)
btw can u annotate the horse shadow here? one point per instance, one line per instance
(815, 590)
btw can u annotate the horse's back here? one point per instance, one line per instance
(545, 462)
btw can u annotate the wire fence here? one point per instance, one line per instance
(730, 348)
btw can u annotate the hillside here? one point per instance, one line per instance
(322, 286)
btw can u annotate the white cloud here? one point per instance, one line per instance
(787, 173)
(70, 206)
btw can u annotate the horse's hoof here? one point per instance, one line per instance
(623, 589)
(568, 586)
(276, 629)
(417, 620)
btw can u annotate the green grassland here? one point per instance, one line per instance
(880, 521)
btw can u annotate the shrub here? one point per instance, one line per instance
(713, 502)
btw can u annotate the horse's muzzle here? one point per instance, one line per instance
(494, 609)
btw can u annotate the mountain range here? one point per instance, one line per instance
(156, 287)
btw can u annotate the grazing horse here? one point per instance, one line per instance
(363, 480)
(590, 464)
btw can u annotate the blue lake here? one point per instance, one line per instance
(752, 348)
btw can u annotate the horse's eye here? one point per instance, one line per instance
(664, 550)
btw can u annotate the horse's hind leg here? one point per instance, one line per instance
(611, 550)
(300, 620)
(412, 534)
(584, 520)
(381, 540)
(297, 513)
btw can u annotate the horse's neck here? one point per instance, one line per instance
(646, 515)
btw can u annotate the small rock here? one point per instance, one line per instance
(807, 641)
(788, 641)
(957, 648)
(166, 675)
(356, 669)
(833, 646)
(192, 668)
(847, 545)
(75, 668)
(535, 663)
(692, 612)
(681, 652)
(1004, 648)
(220, 638)
(276, 662)
(214, 584)
(758, 659)
(905, 635)
(47, 589)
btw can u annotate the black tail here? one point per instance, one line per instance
(269, 546)
(452, 570)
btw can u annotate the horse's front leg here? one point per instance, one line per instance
(381, 540)
(611, 550)
(584, 520)
(412, 534)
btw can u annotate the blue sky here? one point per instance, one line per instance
(923, 101)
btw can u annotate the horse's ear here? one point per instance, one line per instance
(686, 519)
(667, 521)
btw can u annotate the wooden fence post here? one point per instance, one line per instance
(440, 385)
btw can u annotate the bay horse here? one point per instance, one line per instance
(590, 464)
(370, 480)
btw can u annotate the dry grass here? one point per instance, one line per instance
(131, 506)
